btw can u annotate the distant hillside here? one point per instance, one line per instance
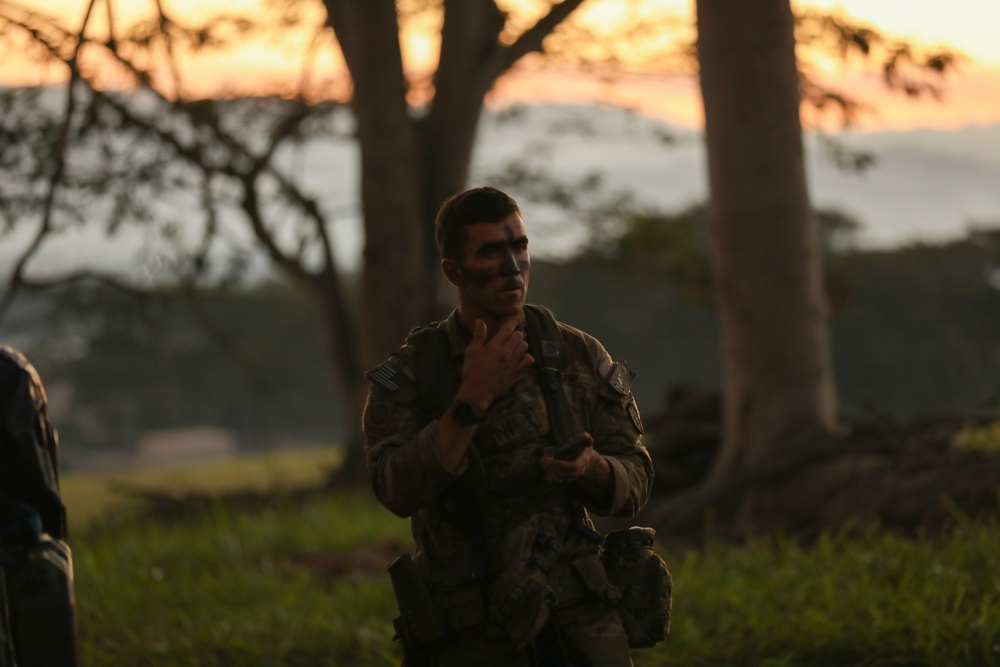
(926, 184)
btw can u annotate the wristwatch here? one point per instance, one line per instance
(464, 413)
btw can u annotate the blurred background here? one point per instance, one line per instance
(598, 135)
(216, 216)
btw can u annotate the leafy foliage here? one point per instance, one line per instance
(676, 245)
(148, 365)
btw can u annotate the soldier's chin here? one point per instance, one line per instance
(511, 308)
(515, 302)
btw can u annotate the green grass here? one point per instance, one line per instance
(985, 438)
(91, 497)
(224, 590)
(876, 599)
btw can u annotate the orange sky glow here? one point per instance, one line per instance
(972, 94)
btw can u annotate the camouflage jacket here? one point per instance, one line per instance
(504, 484)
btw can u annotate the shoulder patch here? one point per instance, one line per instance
(633, 412)
(605, 367)
(378, 415)
(621, 378)
(389, 377)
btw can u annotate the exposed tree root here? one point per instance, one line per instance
(913, 478)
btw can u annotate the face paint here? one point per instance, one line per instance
(508, 267)
(492, 274)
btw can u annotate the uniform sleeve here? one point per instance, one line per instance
(617, 432)
(404, 469)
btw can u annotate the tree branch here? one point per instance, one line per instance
(531, 40)
(59, 167)
(195, 155)
(247, 178)
(165, 23)
(308, 61)
(88, 276)
(251, 207)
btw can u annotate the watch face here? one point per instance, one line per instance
(463, 413)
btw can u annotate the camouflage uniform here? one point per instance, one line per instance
(519, 506)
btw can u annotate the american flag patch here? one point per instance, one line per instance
(388, 377)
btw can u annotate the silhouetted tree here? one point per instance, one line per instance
(415, 135)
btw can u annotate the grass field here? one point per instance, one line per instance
(91, 497)
(246, 588)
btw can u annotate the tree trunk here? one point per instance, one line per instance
(471, 59)
(368, 33)
(343, 345)
(402, 182)
(390, 181)
(776, 360)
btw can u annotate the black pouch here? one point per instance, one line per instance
(645, 584)
(41, 604)
(419, 621)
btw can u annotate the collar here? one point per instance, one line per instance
(458, 334)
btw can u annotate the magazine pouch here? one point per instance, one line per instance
(644, 582)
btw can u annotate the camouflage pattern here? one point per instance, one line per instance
(408, 478)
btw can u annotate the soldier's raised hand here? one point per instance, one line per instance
(493, 365)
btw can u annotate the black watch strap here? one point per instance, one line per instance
(464, 413)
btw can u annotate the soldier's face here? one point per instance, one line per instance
(492, 274)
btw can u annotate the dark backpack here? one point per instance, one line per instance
(29, 448)
(37, 620)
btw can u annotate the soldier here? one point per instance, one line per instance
(37, 617)
(467, 431)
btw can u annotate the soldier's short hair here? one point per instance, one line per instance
(485, 204)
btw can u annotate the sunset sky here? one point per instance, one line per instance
(972, 95)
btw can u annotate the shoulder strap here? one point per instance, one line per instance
(464, 499)
(436, 375)
(545, 341)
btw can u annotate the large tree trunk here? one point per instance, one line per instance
(777, 371)
(403, 183)
(347, 369)
(390, 189)
(390, 180)
(471, 59)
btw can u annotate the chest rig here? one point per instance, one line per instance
(466, 500)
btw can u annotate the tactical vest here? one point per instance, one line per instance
(637, 579)
(465, 501)
(439, 379)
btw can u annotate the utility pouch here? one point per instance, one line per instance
(644, 582)
(419, 622)
(42, 607)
